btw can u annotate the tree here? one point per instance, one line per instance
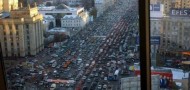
(48, 4)
(59, 37)
(93, 12)
(87, 4)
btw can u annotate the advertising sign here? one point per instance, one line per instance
(154, 40)
(137, 40)
(180, 12)
(154, 7)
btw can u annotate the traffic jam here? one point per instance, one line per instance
(94, 59)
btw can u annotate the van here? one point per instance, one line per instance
(79, 60)
(54, 55)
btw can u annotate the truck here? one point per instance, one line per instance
(116, 74)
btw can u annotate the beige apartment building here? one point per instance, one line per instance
(22, 33)
(1, 5)
(8, 5)
(79, 21)
(175, 4)
(176, 33)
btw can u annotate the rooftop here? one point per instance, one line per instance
(70, 16)
(48, 17)
(46, 8)
(57, 30)
(62, 6)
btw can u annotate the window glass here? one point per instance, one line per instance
(94, 46)
(169, 49)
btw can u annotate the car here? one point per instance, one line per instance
(85, 88)
(94, 70)
(99, 86)
(84, 77)
(94, 84)
(61, 85)
(105, 78)
(40, 72)
(91, 75)
(96, 75)
(41, 83)
(72, 84)
(88, 80)
(96, 79)
(67, 85)
(104, 86)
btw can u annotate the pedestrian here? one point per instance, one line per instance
(161, 82)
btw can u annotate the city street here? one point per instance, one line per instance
(90, 60)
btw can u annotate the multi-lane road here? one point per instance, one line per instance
(109, 35)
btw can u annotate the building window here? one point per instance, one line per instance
(17, 32)
(28, 38)
(6, 49)
(28, 42)
(28, 50)
(18, 44)
(27, 31)
(5, 39)
(5, 44)
(4, 32)
(11, 44)
(11, 33)
(27, 26)
(12, 49)
(10, 27)
(16, 26)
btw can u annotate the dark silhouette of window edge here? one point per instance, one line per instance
(145, 61)
(3, 84)
(144, 49)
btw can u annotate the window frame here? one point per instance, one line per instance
(144, 31)
(144, 23)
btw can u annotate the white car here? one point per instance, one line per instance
(104, 86)
(99, 86)
(84, 77)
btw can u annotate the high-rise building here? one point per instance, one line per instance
(168, 4)
(9, 5)
(156, 16)
(1, 5)
(22, 33)
(175, 35)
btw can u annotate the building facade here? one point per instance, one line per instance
(62, 10)
(49, 21)
(175, 35)
(22, 33)
(69, 21)
(1, 5)
(156, 16)
(70, 2)
(168, 4)
(9, 5)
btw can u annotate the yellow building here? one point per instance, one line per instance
(1, 5)
(22, 33)
(175, 4)
(9, 5)
(182, 4)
